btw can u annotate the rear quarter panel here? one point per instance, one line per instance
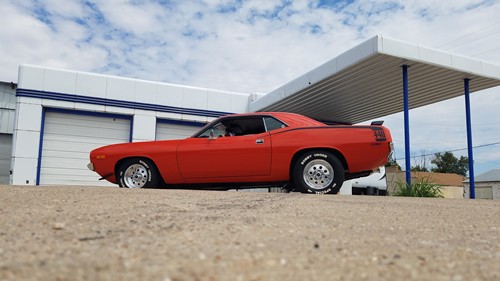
(357, 144)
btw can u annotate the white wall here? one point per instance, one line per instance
(25, 141)
(144, 100)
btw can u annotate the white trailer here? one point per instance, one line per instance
(374, 184)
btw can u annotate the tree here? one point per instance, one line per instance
(419, 168)
(421, 162)
(448, 163)
(393, 163)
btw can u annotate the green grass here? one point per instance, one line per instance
(422, 188)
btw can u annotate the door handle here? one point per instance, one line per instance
(259, 141)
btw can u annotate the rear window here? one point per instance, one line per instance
(273, 124)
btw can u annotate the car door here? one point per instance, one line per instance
(229, 156)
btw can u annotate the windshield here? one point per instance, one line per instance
(216, 130)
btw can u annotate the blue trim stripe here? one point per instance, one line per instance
(118, 103)
(181, 122)
(40, 146)
(131, 133)
(89, 113)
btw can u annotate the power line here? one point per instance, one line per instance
(485, 52)
(419, 144)
(437, 124)
(472, 42)
(467, 36)
(453, 150)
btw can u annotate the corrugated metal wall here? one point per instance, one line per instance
(7, 107)
(7, 114)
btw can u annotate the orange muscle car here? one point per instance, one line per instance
(250, 150)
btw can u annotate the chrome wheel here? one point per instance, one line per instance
(136, 176)
(318, 174)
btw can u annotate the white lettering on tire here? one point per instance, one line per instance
(305, 160)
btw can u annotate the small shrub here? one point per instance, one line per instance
(422, 188)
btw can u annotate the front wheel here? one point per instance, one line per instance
(318, 172)
(138, 173)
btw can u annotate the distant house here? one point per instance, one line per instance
(487, 185)
(451, 184)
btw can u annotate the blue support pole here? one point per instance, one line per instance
(472, 190)
(407, 125)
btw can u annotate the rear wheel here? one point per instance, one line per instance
(138, 173)
(318, 172)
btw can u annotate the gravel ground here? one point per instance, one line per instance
(90, 233)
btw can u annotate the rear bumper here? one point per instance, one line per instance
(391, 151)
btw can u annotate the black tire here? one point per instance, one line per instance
(318, 172)
(138, 173)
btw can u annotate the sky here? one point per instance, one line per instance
(259, 45)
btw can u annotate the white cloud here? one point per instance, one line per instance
(256, 46)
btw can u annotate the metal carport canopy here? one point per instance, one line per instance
(366, 82)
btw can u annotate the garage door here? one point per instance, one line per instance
(67, 140)
(5, 153)
(171, 130)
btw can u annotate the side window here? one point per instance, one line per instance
(273, 124)
(241, 126)
(246, 126)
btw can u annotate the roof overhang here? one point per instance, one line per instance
(366, 82)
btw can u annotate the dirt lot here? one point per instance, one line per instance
(90, 233)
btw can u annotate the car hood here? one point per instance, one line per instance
(136, 147)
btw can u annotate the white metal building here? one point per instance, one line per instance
(61, 115)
